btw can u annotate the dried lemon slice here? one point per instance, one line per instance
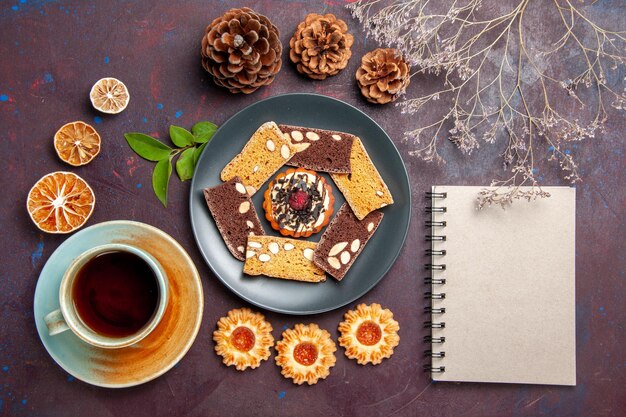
(60, 202)
(77, 143)
(243, 339)
(109, 95)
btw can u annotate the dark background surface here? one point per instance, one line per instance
(51, 54)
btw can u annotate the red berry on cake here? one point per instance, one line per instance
(298, 200)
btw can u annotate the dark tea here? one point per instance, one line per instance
(116, 293)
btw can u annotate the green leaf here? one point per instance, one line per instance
(197, 152)
(203, 131)
(185, 164)
(161, 178)
(147, 147)
(181, 137)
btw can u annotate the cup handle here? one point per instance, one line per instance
(55, 322)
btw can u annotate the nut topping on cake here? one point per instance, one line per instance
(337, 248)
(312, 136)
(297, 135)
(234, 215)
(295, 262)
(244, 207)
(320, 149)
(343, 241)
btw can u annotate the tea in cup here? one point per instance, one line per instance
(111, 296)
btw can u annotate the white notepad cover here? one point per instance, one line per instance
(509, 291)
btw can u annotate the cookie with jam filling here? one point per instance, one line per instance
(306, 354)
(369, 333)
(243, 339)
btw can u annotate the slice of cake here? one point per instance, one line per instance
(281, 257)
(320, 150)
(266, 151)
(343, 241)
(234, 215)
(364, 188)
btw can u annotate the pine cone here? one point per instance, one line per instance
(241, 50)
(320, 47)
(383, 75)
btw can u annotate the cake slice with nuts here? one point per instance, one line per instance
(266, 151)
(234, 215)
(319, 149)
(364, 188)
(284, 258)
(343, 241)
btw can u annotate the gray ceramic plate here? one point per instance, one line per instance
(292, 297)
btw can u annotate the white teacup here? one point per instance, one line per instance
(69, 318)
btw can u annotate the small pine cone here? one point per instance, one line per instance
(383, 75)
(320, 47)
(241, 50)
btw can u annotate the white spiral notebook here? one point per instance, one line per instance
(502, 288)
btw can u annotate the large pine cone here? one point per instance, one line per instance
(241, 50)
(320, 47)
(383, 75)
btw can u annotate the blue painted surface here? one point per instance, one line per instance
(35, 257)
(97, 120)
(281, 395)
(4, 97)
(106, 59)
(178, 114)
(160, 106)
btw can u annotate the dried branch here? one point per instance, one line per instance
(499, 76)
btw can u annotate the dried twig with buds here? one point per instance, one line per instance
(503, 76)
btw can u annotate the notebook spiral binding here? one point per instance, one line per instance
(436, 235)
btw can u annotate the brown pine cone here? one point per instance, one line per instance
(241, 50)
(383, 75)
(320, 47)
